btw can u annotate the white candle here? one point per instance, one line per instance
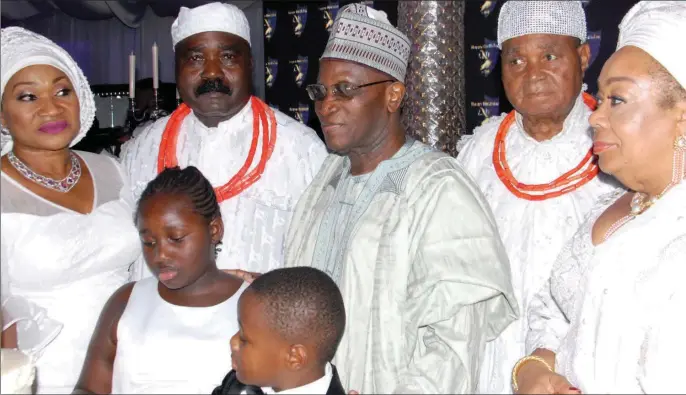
(155, 68)
(132, 75)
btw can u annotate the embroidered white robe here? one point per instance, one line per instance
(533, 232)
(424, 276)
(255, 221)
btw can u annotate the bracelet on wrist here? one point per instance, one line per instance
(521, 363)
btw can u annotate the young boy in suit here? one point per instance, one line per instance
(290, 324)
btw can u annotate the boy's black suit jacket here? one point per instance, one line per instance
(231, 386)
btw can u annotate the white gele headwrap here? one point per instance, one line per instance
(518, 18)
(659, 28)
(212, 17)
(364, 35)
(21, 48)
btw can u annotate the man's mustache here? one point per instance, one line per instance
(210, 86)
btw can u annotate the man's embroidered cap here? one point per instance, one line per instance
(364, 35)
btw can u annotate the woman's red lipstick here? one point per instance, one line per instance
(600, 147)
(53, 127)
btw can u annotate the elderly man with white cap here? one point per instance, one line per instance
(401, 228)
(258, 159)
(535, 165)
(611, 318)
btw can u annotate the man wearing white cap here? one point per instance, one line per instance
(401, 228)
(258, 159)
(535, 165)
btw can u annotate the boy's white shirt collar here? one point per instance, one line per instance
(317, 387)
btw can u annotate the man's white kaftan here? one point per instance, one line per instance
(424, 276)
(255, 221)
(533, 231)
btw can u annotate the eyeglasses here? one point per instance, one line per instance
(340, 90)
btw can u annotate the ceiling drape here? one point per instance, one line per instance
(129, 12)
(100, 35)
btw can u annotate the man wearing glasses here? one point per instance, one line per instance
(400, 227)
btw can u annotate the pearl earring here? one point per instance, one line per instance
(679, 160)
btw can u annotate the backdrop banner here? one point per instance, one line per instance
(295, 35)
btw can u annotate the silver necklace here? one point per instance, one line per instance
(64, 185)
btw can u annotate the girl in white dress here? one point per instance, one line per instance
(613, 316)
(67, 237)
(169, 334)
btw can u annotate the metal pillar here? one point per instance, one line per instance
(434, 107)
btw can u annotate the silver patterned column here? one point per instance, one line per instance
(434, 108)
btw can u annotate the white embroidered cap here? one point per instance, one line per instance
(519, 18)
(212, 17)
(364, 35)
(658, 27)
(21, 48)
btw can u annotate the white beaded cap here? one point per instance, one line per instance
(518, 18)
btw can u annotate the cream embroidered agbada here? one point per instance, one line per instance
(423, 273)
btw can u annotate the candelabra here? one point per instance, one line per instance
(157, 112)
(131, 119)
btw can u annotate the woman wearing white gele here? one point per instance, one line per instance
(67, 236)
(612, 319)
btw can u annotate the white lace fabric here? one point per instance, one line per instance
(613, 313)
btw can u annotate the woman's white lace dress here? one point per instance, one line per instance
(615, 314)
(59, 267)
